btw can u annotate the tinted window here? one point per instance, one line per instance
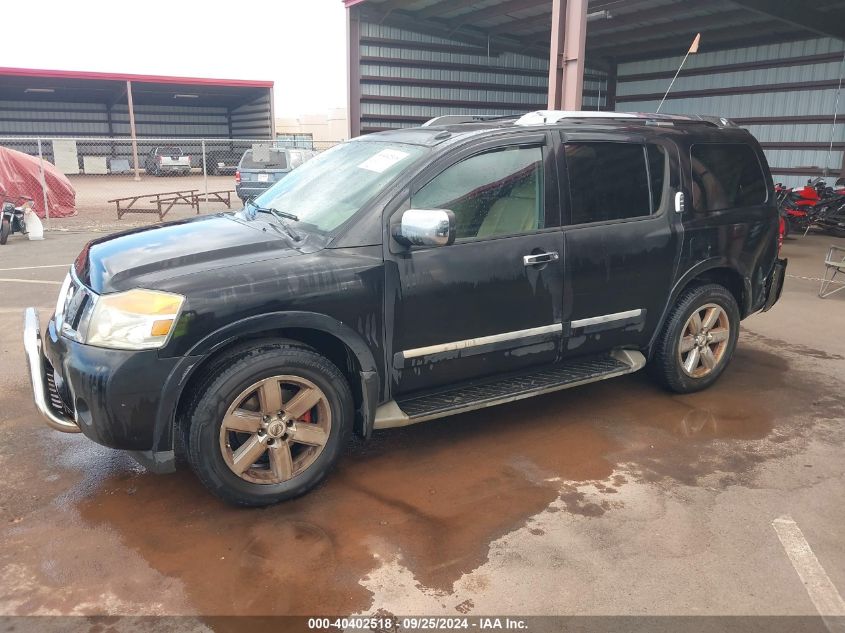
(607, 181)
(725, 176)
(277, 160)
(497, 193)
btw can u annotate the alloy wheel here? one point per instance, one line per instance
(275, 429)
(704, 340)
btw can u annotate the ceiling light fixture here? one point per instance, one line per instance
(185, 96)
(40, 90)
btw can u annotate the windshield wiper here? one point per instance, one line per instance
(282, 215)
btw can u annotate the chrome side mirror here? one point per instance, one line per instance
(680, 203)
(426, 227)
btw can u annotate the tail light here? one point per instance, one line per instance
(189, 158)
(781, 231)
(237, 176)
(159, 159)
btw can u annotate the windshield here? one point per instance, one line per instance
(328, 189)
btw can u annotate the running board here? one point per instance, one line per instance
(477, 395)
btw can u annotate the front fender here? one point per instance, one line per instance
(283, 320)
(181, 374)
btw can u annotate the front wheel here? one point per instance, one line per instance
(5, 230)
(698, 339)
(268, 424)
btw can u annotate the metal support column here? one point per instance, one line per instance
(566, 59)
(204, 172)
(43, 180)
(353, 71)
(132, 129)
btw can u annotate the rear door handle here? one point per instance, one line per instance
(540, 258)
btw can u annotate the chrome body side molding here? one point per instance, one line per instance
(482, 340)
(606, 318)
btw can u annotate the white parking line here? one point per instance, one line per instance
(822, 591)
(34, 267)
(31, 281)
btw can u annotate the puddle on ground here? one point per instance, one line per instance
(437, 494)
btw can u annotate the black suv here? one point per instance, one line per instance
(411, 275)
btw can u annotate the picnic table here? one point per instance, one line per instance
(224, 196)
(159, 203)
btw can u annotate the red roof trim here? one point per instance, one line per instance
(158, 79)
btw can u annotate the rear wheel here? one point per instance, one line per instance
(5, 230)
(698, 339)
(269, 424)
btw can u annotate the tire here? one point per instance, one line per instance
(5, 230)
(297, 453)
(668, 362)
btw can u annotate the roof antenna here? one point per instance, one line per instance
(692, 49)
(835, 112)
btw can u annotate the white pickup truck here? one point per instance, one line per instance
(167, 160)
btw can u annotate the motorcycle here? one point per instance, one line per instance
(13, 217)
(814, 205)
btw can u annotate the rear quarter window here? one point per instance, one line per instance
(726, 176)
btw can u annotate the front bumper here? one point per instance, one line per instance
(44, 392)
(114, 397)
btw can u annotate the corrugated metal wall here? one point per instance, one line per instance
(254, 119)
(785, 94)
(24, 118)
(53, 119)
(407, 78)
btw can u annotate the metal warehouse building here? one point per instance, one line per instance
(63, 104)
(773, 66)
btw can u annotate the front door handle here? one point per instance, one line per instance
(540, 258)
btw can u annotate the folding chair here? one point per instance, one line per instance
(834, 265)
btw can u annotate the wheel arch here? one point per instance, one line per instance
(331, 338)
(719, 271)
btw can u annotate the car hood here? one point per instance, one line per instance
(152, 256)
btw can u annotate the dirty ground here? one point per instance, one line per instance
(614, 498)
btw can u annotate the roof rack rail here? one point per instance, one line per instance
(455, 119)
(550, 117)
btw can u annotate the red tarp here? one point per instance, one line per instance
(20, 175)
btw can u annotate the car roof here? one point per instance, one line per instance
(453, 127)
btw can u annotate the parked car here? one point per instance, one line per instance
(258, 171)
(167, 160)
(221, 162)
(409, 275)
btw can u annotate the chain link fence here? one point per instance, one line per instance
(117, 181)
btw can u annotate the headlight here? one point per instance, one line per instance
(136, 319)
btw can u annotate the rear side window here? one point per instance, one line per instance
(277, 159)
(169, 151)
(609, 181)
(726, 176)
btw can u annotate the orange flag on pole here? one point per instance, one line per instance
(694, 46)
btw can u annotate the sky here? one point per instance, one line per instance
(298, 44)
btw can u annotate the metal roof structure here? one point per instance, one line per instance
(621, 30)
(76, 86)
